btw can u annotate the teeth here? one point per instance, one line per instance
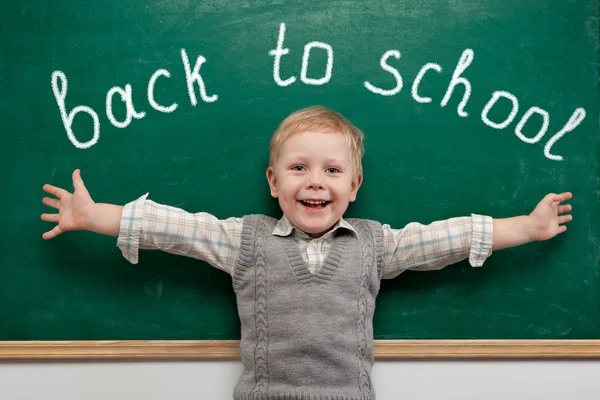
(314, 202)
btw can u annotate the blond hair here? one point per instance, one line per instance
(319, 119)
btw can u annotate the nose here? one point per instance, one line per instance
(315, 180)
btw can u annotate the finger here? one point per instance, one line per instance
(50, 217)
(562, 197)
(564, 208)
(53, 233)
(58, 192)
(565, 218)
(51, 202)
(77, 181)
(562, 228)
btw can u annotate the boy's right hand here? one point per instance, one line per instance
(73, 209)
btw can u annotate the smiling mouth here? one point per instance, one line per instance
(314, 204)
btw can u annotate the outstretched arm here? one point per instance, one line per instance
(545, 222)
(429, 247)
(143, 224)
(420, 247)
(77, 211)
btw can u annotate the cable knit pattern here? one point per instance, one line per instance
(364, 382)
(307, 336)
(246, 257)
(370, 243)
(262, 326)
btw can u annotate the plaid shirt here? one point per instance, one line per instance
(148, 225)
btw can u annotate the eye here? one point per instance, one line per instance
(297, 168)
(332, 170)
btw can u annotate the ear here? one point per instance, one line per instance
(355, 186)
(272, 182)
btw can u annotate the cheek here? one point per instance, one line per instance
(290, 187)
(288, 192)
(342, 190)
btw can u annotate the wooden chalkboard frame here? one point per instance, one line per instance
(229, 349)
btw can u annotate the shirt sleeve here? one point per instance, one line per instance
(147, 225)
(434, 246)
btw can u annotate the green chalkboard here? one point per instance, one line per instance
(424, 160)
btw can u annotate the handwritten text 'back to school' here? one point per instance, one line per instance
(59, 87)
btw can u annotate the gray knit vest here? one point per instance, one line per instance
(307, 336)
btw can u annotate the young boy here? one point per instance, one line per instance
(305, 284)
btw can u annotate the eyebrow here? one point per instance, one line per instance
(334, 161)
(301, 157)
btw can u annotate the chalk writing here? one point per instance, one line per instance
(280, 51)
(194, 78)
(465, 60)
(59, 88)
(391, 70)
(126, 97)
(495, 97)
(60, 93)
(417, 81)
(151, 83)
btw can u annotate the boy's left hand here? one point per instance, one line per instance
(547, 222)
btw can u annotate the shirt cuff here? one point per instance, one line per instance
(130, 227)
(482, 239)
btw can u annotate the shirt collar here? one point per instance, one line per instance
(284, 227)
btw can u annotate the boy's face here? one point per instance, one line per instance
(314, 180)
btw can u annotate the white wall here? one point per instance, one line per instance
(214, 380)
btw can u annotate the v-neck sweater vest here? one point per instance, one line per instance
(307, 336)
